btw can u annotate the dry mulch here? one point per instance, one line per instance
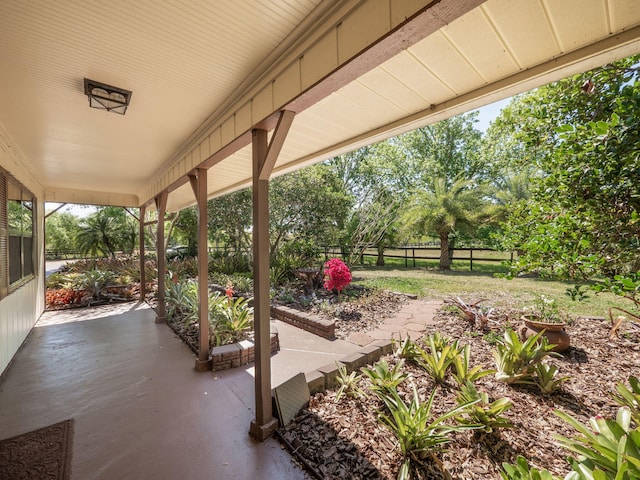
(358, 309)
(345, 439)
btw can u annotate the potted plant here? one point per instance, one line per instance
(545, 316)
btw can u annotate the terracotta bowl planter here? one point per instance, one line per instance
(555, 332)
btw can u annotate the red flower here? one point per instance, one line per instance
(337, 275)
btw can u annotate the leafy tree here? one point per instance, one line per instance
(307, 205)
(229, 220)
(61, 231)
(185, 229)
(583, 218)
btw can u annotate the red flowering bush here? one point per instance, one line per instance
(336, 275)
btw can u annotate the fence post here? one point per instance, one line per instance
(471, 259)
(413, 254)
(406, 261)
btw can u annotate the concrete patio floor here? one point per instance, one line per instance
(140, 409)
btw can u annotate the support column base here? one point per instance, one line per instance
(262, 432)
(202, 365)
(161, 319)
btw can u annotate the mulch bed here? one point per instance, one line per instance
(357, 310)
(346, 440)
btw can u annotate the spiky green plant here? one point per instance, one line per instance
(232, 319)
(462, 370)
(521, 470)
(417, 433)
(407, 349)
(609, 449)
(630, 398)
(547, 378)
(348, 384)
(516, 360)
(384, 380)
(480, 411)
(439, 357)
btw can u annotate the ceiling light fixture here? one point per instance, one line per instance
(106, 97)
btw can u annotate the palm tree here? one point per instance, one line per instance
(97, 236)
(444, 208)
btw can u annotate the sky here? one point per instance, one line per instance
(487, 114)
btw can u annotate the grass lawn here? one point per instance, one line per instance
(481, 283)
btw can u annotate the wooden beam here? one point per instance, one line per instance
(161, 207)
(54, 210)
(277, 141)
(131, 213)
(264, 424)
(143, 277)
(199, 184)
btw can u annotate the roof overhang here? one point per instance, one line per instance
(203, 76)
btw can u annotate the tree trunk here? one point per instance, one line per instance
(445, 261)
(380, 260)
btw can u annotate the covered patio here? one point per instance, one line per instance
(139, 408)
(219, 96)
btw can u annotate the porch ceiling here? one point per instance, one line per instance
(188, 62)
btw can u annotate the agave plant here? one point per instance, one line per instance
(516, 360)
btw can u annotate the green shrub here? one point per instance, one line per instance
(440, 356)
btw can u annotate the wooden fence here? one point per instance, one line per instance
(413, 255)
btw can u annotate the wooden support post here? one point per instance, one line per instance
(264, 158)
(161, 206)
(199, 186)
(143, 277)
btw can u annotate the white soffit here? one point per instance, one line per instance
(499, 49)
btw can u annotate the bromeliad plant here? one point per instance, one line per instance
(547, 378)
(610, 449)
(516, 360)
(630, 398)
(480, 411)
(521, 470)
(418, 434)
(231, 318)
(439, 358)
(385, 380)
(348, 384)
(463, 372)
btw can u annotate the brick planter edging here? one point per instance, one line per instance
(306, 321)
(237, 354)
(324, 378)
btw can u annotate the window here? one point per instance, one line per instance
(17, 243)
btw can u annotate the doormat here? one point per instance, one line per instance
(43, 454)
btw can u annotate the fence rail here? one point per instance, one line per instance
(412, 255)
